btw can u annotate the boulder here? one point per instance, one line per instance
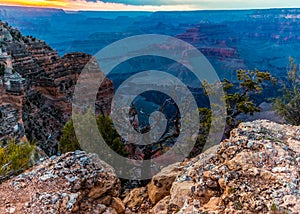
(72, 183)
(256, 171)
(160, 184)
(135, 198)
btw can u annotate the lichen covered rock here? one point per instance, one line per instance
(256, 170)
(72, 183)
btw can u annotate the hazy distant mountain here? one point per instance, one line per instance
(262, 39)
(15, 12)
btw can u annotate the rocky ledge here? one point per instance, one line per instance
(74, 182)
(255, 171)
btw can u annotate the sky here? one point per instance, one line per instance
(154, 5)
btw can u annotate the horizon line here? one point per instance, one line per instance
(150, 11)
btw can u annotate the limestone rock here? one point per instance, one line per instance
(160, 185)
(135, 198)
(118, 205)
(256, 170)
(161, 206)
(44, 104)
(72, 183)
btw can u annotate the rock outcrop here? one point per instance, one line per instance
(45, 104)
(73, 183)
(255, 171)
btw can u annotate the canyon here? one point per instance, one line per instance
(256, 170)
(40, 102)
(262, 39)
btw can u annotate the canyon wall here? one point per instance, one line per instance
(45, 103)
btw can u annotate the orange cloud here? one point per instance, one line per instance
(36, 3)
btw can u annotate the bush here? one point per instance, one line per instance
(69, 141)
(15, 157)
(288, 104)
(110, 135)
(239, 99)
(239, 96)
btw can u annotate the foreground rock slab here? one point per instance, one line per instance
(72, 183)
(256, 171)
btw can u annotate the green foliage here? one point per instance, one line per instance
(273, 207)
(69, 141)
(205, 116)
(238, 98)
(15, 157)
(288, 105)
(110, 135)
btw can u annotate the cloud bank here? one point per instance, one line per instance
(154, 5)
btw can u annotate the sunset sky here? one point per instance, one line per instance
(153, 5)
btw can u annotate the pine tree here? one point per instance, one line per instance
(288, 104)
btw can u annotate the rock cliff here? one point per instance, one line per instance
(255, 171)
(44, 103)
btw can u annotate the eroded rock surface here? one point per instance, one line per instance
(43, 106)
(255, 171)
(72, 183)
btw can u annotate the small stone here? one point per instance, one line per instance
(249, 144)
(12, 210)
(71, 179)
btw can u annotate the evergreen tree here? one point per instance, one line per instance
(239, 100)
(69, 140)
(288, 104)
(238, 97)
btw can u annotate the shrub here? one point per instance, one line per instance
(15, 157)
(239, 100)
(288, 104)
(69, 141)
(239, 96)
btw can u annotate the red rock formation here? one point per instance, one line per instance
(50, 83)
